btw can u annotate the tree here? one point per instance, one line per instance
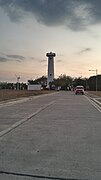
(63, 81)
(80, 81)
(92, 83)
(5, 85)
(42, 80)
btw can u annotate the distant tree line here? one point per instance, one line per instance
(63, 81)
(6, 85)
(41, 80)
(68, 82)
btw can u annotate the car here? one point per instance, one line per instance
(79, 90)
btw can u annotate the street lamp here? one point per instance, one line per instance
(96, 76)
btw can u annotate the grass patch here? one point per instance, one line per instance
(15, 94)
(94, 94)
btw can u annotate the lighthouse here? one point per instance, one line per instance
(50, 77)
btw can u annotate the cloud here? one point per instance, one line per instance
(5, 58)
(60, 55)
(75, 14)
(85, 50)
(32, 58)
(59, 60)
(37, 59)
(16, 57)
(43, 60)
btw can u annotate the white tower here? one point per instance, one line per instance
(50, 77)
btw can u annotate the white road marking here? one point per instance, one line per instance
(94, 104)
(95, 99)
(6, 131)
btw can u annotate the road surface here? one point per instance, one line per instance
(56, 136)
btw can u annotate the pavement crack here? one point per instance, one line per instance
(35, 176)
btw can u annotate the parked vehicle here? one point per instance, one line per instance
(79, 90)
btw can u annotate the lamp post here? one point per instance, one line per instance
(18, 79)
(96, 76)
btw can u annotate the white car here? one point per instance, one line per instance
(79, 90)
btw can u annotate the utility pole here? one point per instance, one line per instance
(18, 79)
(96, 71)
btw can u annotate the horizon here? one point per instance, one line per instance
(26, 82)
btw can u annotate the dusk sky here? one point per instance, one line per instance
(31, 28)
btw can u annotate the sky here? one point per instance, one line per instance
(31, 28)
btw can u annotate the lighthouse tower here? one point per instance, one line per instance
(50, 77)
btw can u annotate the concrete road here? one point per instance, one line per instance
(56, 136)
